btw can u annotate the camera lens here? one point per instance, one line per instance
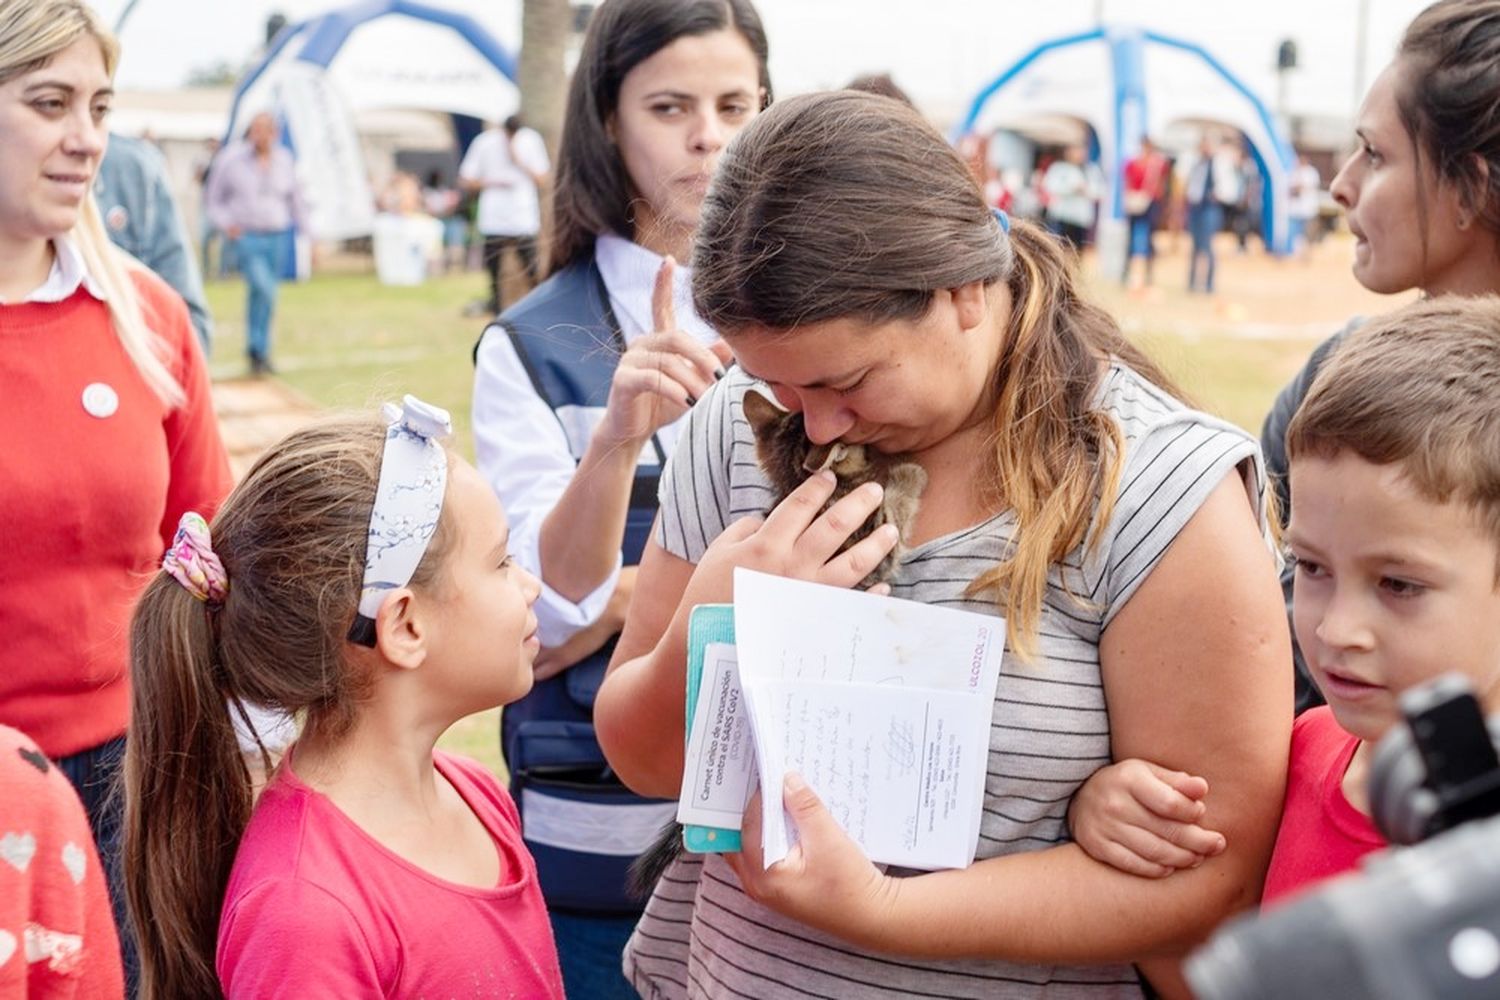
(1298, 951)
(1418, 924)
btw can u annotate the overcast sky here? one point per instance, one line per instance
(941, 51)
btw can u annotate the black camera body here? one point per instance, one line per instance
(1439, 770)
(1417, 922)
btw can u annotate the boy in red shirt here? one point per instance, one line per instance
(1395, 470)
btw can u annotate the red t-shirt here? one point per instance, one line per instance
(1322, 834)
(316, 907)
(1146, 173)
(57, 934)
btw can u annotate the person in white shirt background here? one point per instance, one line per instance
(1302, 209)
(507, 166)
(1073, 186)
(660, 88)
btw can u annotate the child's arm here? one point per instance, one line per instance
(1143, 819)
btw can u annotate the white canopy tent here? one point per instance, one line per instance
(379, 54)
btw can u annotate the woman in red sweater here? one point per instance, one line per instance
(110, 431)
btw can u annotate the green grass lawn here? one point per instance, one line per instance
(344, 340)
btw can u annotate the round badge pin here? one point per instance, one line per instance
(116, 218)
(99, 400)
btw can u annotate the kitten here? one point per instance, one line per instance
(787, 457)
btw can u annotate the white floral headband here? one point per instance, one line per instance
(408, 502)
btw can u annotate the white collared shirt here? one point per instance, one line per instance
(522, 449)
(67, 273)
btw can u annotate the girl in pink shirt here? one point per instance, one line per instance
(372, 864)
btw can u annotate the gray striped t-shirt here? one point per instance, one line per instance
(702, 937)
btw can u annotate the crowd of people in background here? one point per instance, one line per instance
(220, 703)
(1213, 187)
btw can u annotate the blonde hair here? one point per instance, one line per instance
(32, 33)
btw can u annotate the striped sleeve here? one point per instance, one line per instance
(1170, 470)
(695, 487)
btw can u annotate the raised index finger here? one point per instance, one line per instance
(663, 315)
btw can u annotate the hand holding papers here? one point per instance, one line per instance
(883, 706)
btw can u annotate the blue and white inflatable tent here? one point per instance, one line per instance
(378, 54)
(1128, 82)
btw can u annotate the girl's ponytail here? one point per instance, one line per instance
(188, 793)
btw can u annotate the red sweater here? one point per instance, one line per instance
(88, 503)
(1322, 834)
(57, 934)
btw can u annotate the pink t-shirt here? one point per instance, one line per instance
(1322, 834)
(316, 907)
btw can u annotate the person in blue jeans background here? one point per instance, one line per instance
(253, 198)
(1212, 183)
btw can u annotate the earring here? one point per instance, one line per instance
(1463, 222)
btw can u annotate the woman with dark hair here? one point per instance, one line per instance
(1421, 193)
(849, 257)
(579, 394)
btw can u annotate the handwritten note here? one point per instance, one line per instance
(893, 765)
(827, 672)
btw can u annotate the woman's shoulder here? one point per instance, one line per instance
(152, 290)
(720, 414)
(1174, 458)
(1142, 407)
(732, 387)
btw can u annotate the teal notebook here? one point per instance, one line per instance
(708, 623)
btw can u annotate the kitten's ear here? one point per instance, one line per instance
(761, 411)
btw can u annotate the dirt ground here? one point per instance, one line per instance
(1256, 295)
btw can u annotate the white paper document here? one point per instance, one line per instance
(895, 766)
(882, 705)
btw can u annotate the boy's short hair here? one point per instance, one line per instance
(1419, 388)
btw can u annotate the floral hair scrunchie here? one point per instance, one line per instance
(191, 561)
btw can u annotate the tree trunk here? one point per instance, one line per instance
(545, 26)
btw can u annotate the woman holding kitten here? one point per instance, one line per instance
(1121, 534)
